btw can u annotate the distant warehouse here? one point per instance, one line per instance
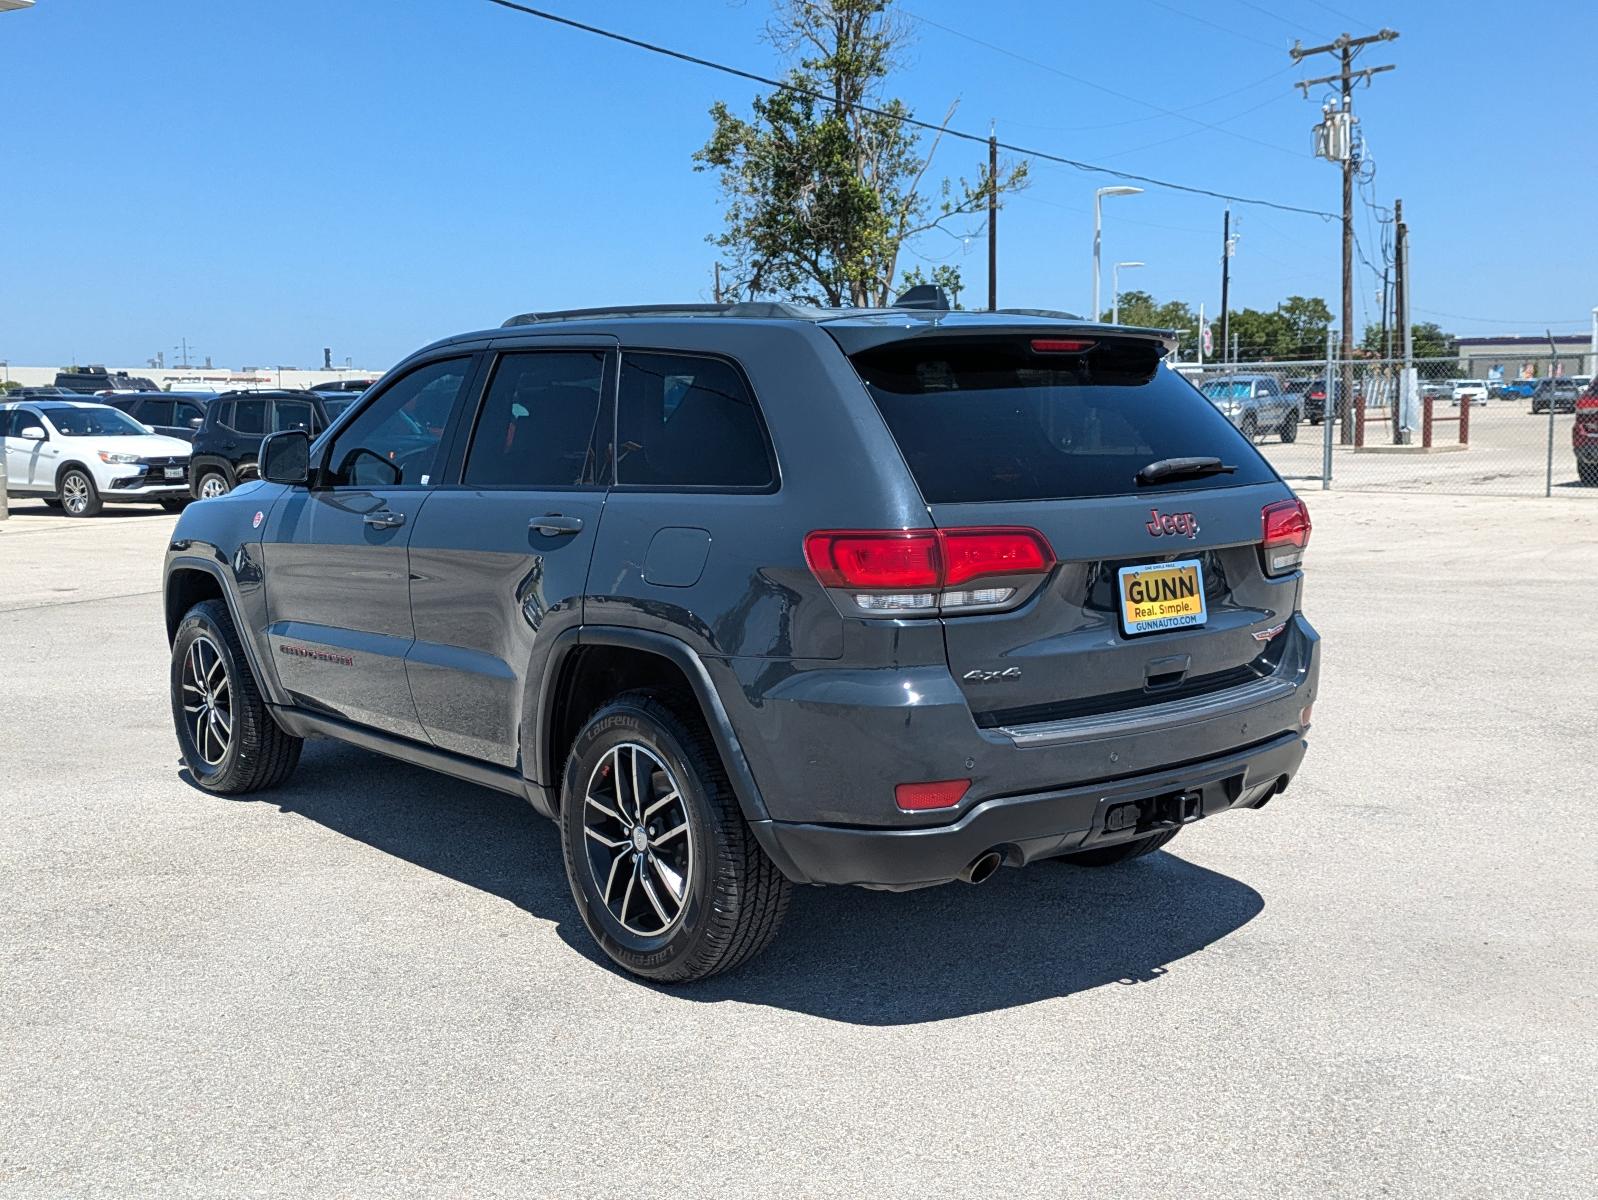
(1525, 357)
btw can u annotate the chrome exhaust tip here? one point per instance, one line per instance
(982, 867)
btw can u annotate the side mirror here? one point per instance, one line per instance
(286, 458)
(33, 433)
(196, 422)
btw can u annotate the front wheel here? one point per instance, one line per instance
(1289, 428)
(79, 496)
(1250, 427)
(212, 485)
(230, 743)
(663, 867)
(1589, 473)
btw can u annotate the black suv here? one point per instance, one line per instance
(228, 443)
(752, 595)
(175, 414)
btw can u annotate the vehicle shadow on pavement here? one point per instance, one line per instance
(844, 954)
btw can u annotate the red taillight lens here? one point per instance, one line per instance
(1587, 403)
(875, 558)
(942, 793)
(1060, 345)
(921, 571)
(973, 553)
(1286, 534)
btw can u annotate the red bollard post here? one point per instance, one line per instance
(1426, 422)
(1464, 420)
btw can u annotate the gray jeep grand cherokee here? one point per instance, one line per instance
(752, 595)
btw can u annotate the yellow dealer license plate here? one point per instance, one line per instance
(1162, 596)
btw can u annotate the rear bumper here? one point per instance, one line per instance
(1026, 828)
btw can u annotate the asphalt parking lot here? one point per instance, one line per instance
(373, 982)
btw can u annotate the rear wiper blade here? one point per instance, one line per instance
(1176, 468)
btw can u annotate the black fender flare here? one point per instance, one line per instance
(683, 657)
(267, 681)
(73, 464)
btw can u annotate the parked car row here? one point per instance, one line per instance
(77, 453)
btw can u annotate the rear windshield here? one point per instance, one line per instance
(981, 419)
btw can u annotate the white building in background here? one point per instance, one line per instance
(198, 379)
(7, 5)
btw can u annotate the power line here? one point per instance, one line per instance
(903, 118)
(1109, 91)
(1339, 13)
(1247, 87)
(1247, 37)
(1432, 312)
(1277, 17)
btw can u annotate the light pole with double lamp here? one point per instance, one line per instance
(1115, 289)
(1098, 224)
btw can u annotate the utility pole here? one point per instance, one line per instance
(717, 284)
(1226, 277)
(993, 219)
(1406, 421)
(1334, 141)
(183, 349)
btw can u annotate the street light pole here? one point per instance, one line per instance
(1592, 362)
(1115, 289)
(1098, 226)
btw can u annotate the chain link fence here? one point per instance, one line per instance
(1369, 425)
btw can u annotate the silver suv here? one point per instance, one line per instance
(1256, 404)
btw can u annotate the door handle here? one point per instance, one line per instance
(555, 524)
(384, 519)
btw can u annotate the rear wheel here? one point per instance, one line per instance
(79, 496)
(1250, 427)
(662, 865)
(1109, 856)
(230, 743)
(1289, 429)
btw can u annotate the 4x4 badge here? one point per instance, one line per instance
(1170, 524)
(981, 676)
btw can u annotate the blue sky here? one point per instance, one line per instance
(265, 179)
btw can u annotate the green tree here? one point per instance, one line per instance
(1427, 339)
(822, 195)
(1295, 329)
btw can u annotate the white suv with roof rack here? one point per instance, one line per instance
(79, 456)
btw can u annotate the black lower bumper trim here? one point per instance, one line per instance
(1026, 828)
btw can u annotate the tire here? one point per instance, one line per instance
(175, 504)
(256, 752)
(1109, 856)
(1250, 427)
(1289, 429)
(79, 496)
(1588, 473)
(210, 485)
(732, 897)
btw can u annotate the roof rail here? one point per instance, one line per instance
(759, 309)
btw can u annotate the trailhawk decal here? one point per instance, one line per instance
(328, 656)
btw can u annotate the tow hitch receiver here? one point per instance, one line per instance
(1155, 813)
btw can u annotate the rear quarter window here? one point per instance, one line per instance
(988, 419)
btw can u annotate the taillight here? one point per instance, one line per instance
(1587, 403)
(899, 572)
(1286, 533)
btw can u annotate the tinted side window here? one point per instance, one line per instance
(537, 422)
(292, 414)
(686, 421)
(249, 416)
(220, 415)
(153, 412)
(394, 441)
(8, 423)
